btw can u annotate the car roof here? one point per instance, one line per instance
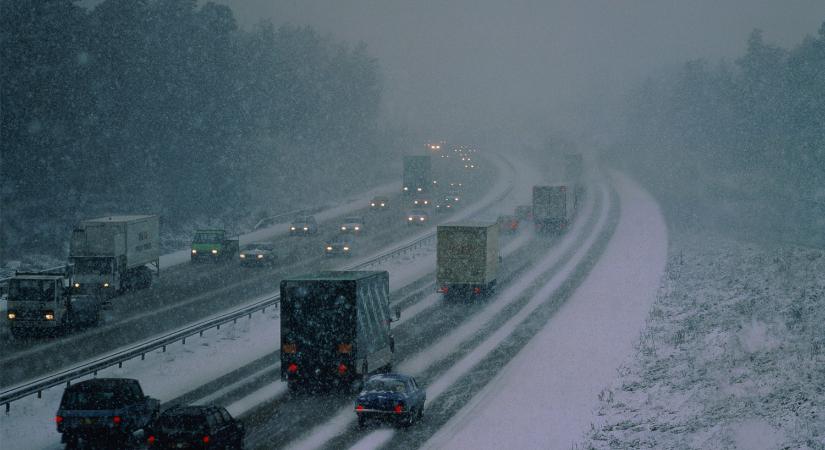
(418, 212)
(353, 219)
(102, 382)
(189, 410)
(391, 377)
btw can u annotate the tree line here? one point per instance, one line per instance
(168, 107)
(742, 143)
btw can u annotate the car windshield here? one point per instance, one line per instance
(341, 239)
(96, 266)
(207, 237)
(418, 212)
(171, 423)
(352, 220)
(301, 220)
(92, 399)
(31, 290)
(385, 385)
(260, 246)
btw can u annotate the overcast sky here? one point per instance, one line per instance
(468, 64)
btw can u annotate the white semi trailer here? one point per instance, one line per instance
(111, 255)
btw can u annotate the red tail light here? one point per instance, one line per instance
(359, 408)
(116, 420)
(151, 439)
(292, 368)
(342, 369)
(58, 419)
(477, 290)
(399, 408)
(444, 289)
(206, 439)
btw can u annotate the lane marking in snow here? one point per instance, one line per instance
(320, 435)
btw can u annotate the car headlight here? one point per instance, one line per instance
(306, 228)
(105, 285)
(418, 189)
(382, 204)
(243, 256)
(11, 315)
(373, 204)
(260, 256)
(291, 228)
(77, 285)
(194, 252)
(406, 188)
(343, 228)
(214, 251)
(357, 228)
(329, 248)
(409, 218)
(422, 219)
(426, 202)
(49, 315)
(346, 249)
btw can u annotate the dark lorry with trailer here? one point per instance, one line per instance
(335, 328)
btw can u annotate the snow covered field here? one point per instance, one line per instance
(732, 355)
(543, 397)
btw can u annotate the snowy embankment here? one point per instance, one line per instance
(543, 397)
(732, 355)
(183, 368)
(359, 201)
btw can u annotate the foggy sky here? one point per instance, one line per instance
(458, 66)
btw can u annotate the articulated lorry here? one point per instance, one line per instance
(111, 255)
(553, 207)
(417, 174)
(335, 327)
(467, 256)
(45, 302)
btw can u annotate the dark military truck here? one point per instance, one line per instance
(417, 175)
(335, 327)
(214, 245)
(104, 411)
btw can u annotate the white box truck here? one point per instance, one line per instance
(467, 257)
(113, 254)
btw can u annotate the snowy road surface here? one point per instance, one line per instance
(544, 397)
(359, 202)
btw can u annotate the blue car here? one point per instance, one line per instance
(390, 397)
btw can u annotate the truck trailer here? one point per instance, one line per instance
(113, 254)
(467, 256)
(335, 327)
(45, 302)
(553, 207)
(417, 174)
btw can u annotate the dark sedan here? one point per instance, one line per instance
(196, 427)
(390, 397)
(258, 254)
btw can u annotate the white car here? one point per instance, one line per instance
(417, 217)
(353, 225)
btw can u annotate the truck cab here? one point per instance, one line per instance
(45, 302)
(213, 245)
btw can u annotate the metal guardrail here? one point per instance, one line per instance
(91, 368)
(140, 350)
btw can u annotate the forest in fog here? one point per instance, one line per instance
(168, 107)
(736, 143)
